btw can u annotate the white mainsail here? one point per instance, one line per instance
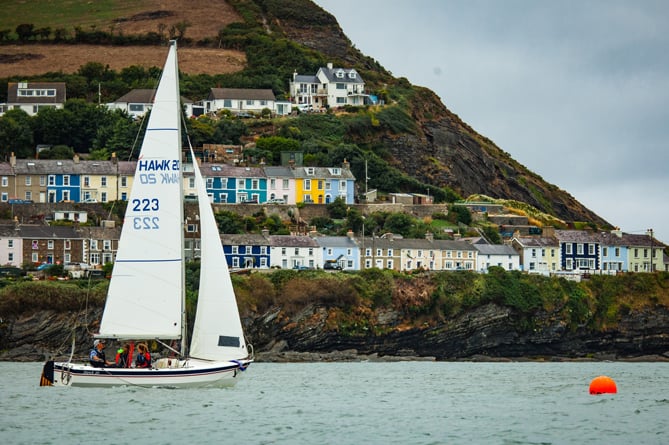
(217, 331)
(145, 298)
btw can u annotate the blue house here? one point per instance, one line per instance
(247, 251)
(342, 250)
(579, 249)
(227, 184)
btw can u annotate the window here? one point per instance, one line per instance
(297, 251)
(34, 257)
(66, 195)
(378, 252)
(87, 181)
(10, 256)
(579, 249)
(124, 181)
(191, 228)
(10, 243)
(568, 248)
(250, 102)
(94, 244)
(235, 262)
(49, 244)
(103, 181)
(368, 252)
(591, 249)
(311, 251)
(342, 185)
(605, 251)
(307, 184)
(235, 250)
(5, 181)
(136, 108)
(286, 184)
(263, 250)
(4, 197)
(52, 180)
(240, 183)
(67, 257)
(103, 196)
(67, 244)
(320, 184)
(283, 251)
(124, 196)
(255, 184)
(95, 258)
(617, 251)
(272, 184)
(42, 181)
(210, 183)
(35, 244)
(389, 264)
(227, 103)
(341, 86)
(341, 100)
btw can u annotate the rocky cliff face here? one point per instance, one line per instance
(489, 332)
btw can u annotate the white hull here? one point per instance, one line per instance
(189, 373)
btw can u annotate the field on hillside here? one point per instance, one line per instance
(29, 60)
(206, 18)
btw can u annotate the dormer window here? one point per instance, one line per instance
(340, 74)
(310, 171)
(336, 171)
(352, 75)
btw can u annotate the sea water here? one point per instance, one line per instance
(352, 403)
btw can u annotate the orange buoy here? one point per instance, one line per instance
(603, 385)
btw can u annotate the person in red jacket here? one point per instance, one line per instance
(143, 359)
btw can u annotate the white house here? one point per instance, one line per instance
(34, 96)
(500, 255)
(288, 252)
(329, 87)
(140, 100)
(240, 100)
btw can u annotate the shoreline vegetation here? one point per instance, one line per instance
(382, 315)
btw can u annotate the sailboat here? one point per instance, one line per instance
(146, 296)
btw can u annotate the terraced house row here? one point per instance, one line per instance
(559, 252)
(77, 180)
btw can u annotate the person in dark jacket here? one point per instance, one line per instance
(97, 356)
(122, 356)
(143, 359)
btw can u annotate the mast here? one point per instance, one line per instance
(184, 321)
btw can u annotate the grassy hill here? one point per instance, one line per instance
(259, 44)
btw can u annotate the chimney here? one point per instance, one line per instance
(345, 164)
(12, 160)
(294, 75)
(76, 158)
(329, 65)
(429, 236)
(349, 234)
(265, 232)
(617, 232)
(548, 231)
(113, 158)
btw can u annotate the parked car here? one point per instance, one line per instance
(20, 201)
(276, 201)
(302, 267)
(332, 265)
(305, 108)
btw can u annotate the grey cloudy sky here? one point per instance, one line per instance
(577, 91)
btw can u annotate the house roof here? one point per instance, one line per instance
(47, 232)
(13, 95)
(143, 96)
(283, 172)
(322, 172)
(306, 78)
(530, 241)
(292, 241)
(576, 236)
(495, 249)
(240, 94)
(348, 75)
(64, 166)
(229, 171)
(246, 239)
(336, 241)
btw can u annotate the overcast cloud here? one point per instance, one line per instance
(577, 91)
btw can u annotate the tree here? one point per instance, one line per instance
(57, 152)
(25, 31)
(399, 223)
(16, 135)
(337, 208)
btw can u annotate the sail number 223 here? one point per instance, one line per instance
(145, 222)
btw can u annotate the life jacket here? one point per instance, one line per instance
(100, 354)
(122, 360)
(143, 360)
